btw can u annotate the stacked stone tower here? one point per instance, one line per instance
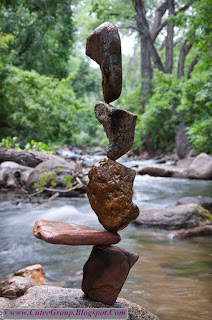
(110, 183)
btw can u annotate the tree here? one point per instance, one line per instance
(43, 34)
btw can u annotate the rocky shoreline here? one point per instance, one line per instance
(56, 297)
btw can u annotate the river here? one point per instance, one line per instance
(172, 278)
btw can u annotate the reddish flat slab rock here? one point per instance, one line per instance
(104, 47)
(72, 234)
(105, 273)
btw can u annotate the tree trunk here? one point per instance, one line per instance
(182, 56)
(146, 73)
(170, 39)
(192, 65)
(27, 158)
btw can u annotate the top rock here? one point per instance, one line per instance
(104, 47)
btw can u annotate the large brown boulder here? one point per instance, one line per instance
(104, 47)
(174, 217)
(201, 167)
(105, 273)
(110, 194)
(119, 126)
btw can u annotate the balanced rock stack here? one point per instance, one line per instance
(110, 187)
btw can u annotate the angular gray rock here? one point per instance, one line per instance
(119, 126)
(55, 297)
(175, 217)
(201, 167)
(104, 47)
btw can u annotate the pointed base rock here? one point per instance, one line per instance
(119, 126)
(105, 273)
(104, 47)
(72, 234)
(110, 194)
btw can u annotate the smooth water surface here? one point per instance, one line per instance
(173, 279)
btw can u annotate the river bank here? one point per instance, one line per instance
(172, 278)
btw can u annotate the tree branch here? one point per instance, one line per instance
(192, 65)
(160, 11)
(186, 47)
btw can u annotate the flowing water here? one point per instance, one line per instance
(172, 278)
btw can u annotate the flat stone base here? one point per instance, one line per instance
(56, 297)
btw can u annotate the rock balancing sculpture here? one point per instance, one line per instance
(110, 183)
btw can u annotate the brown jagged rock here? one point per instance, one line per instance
(72, 234)
(104, 47)
(119, 126)
(105, 273)
(110, 194)
(34, 271)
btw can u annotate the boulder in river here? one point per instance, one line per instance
(201, 167)
(202, 231)
(205, 202)
(55, 297)
(14, 175)
(164, 171)
(54, 174)
(175, 217)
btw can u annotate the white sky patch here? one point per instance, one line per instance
(127, 48)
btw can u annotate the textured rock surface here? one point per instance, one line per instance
(34, 271)
(183, 145)
(176, 217)
(17, 286)
(55, 297)
(110, 194)
(72, 234)
(205, 202)
(56, 172)
(193, 232)
(201, 167)
(104, 47)
(119, 126)
(105, 273)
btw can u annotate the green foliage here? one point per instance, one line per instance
(10, 142)
(67, 181)
(43, 34)
(44, 180)
(35, 107)
(39, 146)
(175, 100)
